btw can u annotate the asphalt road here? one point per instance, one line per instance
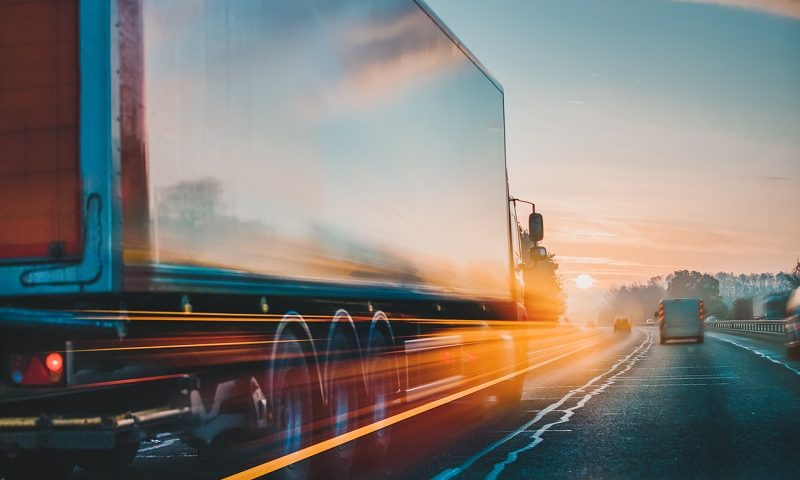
(631, 409)
(625, 408)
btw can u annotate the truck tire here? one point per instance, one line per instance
(108, 460)
(343, 374)
(701, 339)
(381, 391)
(294, 411)
(662, 340)
(49, 464)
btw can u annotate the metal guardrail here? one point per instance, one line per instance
(761, 326)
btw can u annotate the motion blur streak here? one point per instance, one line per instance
(142, 315)
(190, 345)
(323, 446)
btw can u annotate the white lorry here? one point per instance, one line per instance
(681, 318)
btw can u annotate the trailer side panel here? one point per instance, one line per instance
(344, 142)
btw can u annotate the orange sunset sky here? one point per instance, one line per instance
(653, 136)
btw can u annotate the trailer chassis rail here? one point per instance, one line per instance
(91, 432)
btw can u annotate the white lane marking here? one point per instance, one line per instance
(160, 445)
(453, 472)
(757, 352)
(667, 385)
(568, 413)
(682, 377)
(677, 367)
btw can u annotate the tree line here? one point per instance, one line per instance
(726, 295)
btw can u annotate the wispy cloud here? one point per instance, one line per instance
(593, 260)
(774, 179)
(783, 8)
(596, 234)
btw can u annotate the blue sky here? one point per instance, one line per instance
(654, 135)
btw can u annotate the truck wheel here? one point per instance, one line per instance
(662, 340)
(292, 388)
(108, 460)
(382, 389)
(701, 339)
(343, 378)
(49, 464)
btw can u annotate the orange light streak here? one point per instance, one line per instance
(281, 462)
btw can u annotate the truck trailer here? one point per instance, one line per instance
(244, 219)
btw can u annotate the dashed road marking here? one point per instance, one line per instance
(628, 360)
(677, 367)
(682, 377)
(668, 385)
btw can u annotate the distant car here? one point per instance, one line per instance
(622, 324)
(793, 325)
(650, 321)
(711, 319)
(681, 318)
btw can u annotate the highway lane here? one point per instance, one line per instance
(634, 409)
(625, 408)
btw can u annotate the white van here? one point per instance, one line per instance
(681, 318)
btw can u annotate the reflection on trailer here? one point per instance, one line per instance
(262, 228)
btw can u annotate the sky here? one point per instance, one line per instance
(653, 135)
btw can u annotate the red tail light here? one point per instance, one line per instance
(54, 362)
(701, 310)
(37, 369)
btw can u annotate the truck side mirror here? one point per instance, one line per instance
(537, 254)
(536, 227)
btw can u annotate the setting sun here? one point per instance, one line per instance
(584, 281)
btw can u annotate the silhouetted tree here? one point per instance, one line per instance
(545, 298)
(754, 285)
(686, 284)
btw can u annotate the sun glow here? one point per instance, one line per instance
(584, 281)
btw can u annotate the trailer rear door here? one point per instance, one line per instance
(40, 215)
